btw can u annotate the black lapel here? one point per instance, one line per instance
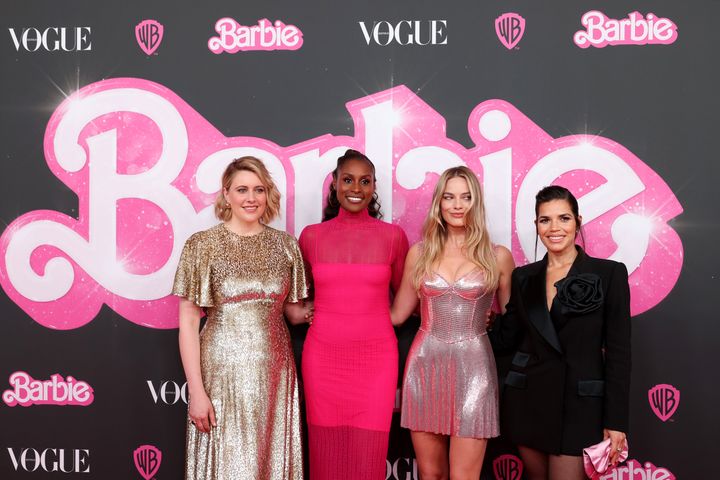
(537, 307)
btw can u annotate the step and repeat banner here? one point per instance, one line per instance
(118, 118)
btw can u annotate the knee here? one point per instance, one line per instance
(432, 474)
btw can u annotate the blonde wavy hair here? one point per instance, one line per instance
(478, 248)
(254, 165)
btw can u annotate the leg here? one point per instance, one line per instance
(466, 457)
(431, 450)
(535, 463)
(566, 467)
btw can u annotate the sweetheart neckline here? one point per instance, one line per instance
(457, 279)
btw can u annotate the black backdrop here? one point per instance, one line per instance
(658, 101)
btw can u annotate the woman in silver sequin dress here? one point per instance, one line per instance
(243, 414)
(450, 389)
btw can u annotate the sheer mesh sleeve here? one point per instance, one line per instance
(400, 250)
(192, 279)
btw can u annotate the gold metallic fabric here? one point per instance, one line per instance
(245, 353)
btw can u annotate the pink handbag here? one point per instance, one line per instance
(597, 458)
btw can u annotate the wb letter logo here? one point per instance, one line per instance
(510, 28)
(147, 460)
(507, 467)
(149, 34)
(664, 400)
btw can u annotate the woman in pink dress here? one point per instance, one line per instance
(450, 391)
(350, 356)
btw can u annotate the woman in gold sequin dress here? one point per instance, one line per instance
(450, 391)
(243, 413)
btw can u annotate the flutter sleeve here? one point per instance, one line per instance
(192, 279)
(298, 279)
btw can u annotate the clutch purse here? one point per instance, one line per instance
(596, 458)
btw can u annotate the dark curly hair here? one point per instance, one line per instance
(332, 205)
(557, 192)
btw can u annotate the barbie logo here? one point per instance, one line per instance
(664, 400)
(510, 28)
(147, 460)
(234, 37)
(57, 391)
(634, 470)
(507, 467)
(601, 31)
(123, 147)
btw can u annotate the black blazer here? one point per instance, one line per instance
(570, 375)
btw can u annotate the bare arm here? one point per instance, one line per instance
(200, 408)
(506, 265)
(406, 298)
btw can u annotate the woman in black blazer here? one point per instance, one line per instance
(568, 322)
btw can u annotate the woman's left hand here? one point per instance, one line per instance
(617, 444)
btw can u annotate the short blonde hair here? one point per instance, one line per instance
(254, 165)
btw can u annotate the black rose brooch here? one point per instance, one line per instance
(581, 293)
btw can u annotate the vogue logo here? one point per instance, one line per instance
(149, 34)
(510, 28)
(76, 460)
(234, 37)
(52, 39)
(601, 31)
(664, 400)
(401, 469)
(634, 470)
(139, 200)
(507, 467)
(405, 32)
(147, 460)
(56, 391)
(168, 392)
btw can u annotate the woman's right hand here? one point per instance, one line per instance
(201, 412)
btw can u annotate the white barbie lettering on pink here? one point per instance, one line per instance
(123, 147)
(234, 37)
(601, 30)
(27, 391)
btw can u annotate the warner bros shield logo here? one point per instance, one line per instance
(510, 28)
(664, 400)
(149, 34)
(147, 460)
(507, 467)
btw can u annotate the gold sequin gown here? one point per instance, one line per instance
(245, 353)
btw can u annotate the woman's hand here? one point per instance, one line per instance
(201, 412)
(617, 444)
(300, 312)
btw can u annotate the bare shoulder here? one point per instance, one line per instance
(504, 256)
(414, 253)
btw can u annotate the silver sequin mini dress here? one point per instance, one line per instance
(450, 384)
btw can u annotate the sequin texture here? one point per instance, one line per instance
(245, 353)
(450, 384)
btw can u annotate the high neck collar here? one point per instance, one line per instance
(349, 217)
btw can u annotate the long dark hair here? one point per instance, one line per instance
(332, 205)
(556, 192)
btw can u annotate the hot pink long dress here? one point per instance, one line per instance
(350, 357)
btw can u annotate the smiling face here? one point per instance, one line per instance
(247, 197)
(557, 226)
(455, 202)
(355, 185)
